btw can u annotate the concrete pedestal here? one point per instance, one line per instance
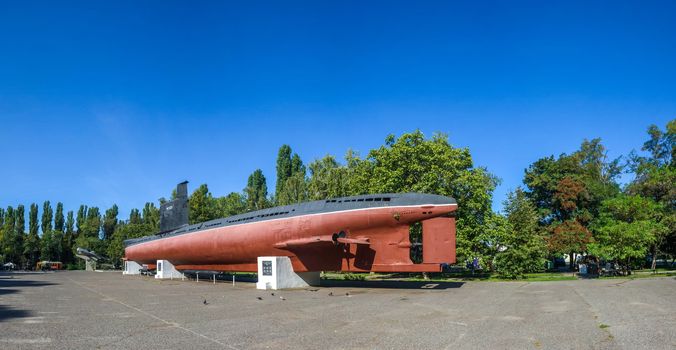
(166, 270)
(90, 265)
(276, 272)
(131, 268)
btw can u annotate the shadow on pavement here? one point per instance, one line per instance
(392, 284)
(7, 313)
(11, 283)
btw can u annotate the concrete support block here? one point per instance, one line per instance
(90, 265)
(131, 268)
(276, 272)
(166, 270)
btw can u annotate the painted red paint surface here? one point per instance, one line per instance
(376, 239)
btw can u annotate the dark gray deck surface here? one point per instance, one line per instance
(89, 310)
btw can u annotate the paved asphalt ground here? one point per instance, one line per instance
(104, 310)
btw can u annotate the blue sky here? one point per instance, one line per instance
(116, 102)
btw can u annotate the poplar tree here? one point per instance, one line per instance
(47, 215)
(291, 186)
(110, 222)
(283, 168)
(151, 216)
(33, 220)
(58, 217)
(31, 249)
(80, 220)
(202, 204)
(8, 229)
(19, 235)
(256, 191)
(232, 204)
(68, 239)
(135, 217)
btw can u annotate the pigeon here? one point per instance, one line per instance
(282, 298)
(330, 294)
(259, 298)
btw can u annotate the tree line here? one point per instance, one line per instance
(568, 204)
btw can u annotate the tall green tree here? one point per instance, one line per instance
(295, 190)
(291, 186)
(232, 204)
(283, 168)
(33, 220)
(68, 238)
(123, 231)
(412, 163)
(92, 227)
(523, 246)
(151, 216)
(81, 219)
(568, 191)
(655, 176)
(256, 191)
(31, 249)
(8, 232)
(135, 217)
(46, 246)
(47, 214)
(109, 222)
(89, 235)
(328, 179)
(627, 226)
(58, 218)
(19, 235)
(203, 206)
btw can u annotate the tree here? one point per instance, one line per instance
(58, 218)
(19, 235)
(232, 204)
(109, 222)
(47, 214)
(31, 249)
(655, 175)
(92, 226)
(328, 179)
(59, 236)
(412, 163)
(524, 244)
(202, 205)
(68, 239)
(135, 217)
(256, 191)
(8, 232)
(291, 183)
(151, 216)
(46, 244)
(568, 191)
(115, 249)
(295, 190)
(627, 226)
(81, 218)
(283, 168)
(90, 229)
